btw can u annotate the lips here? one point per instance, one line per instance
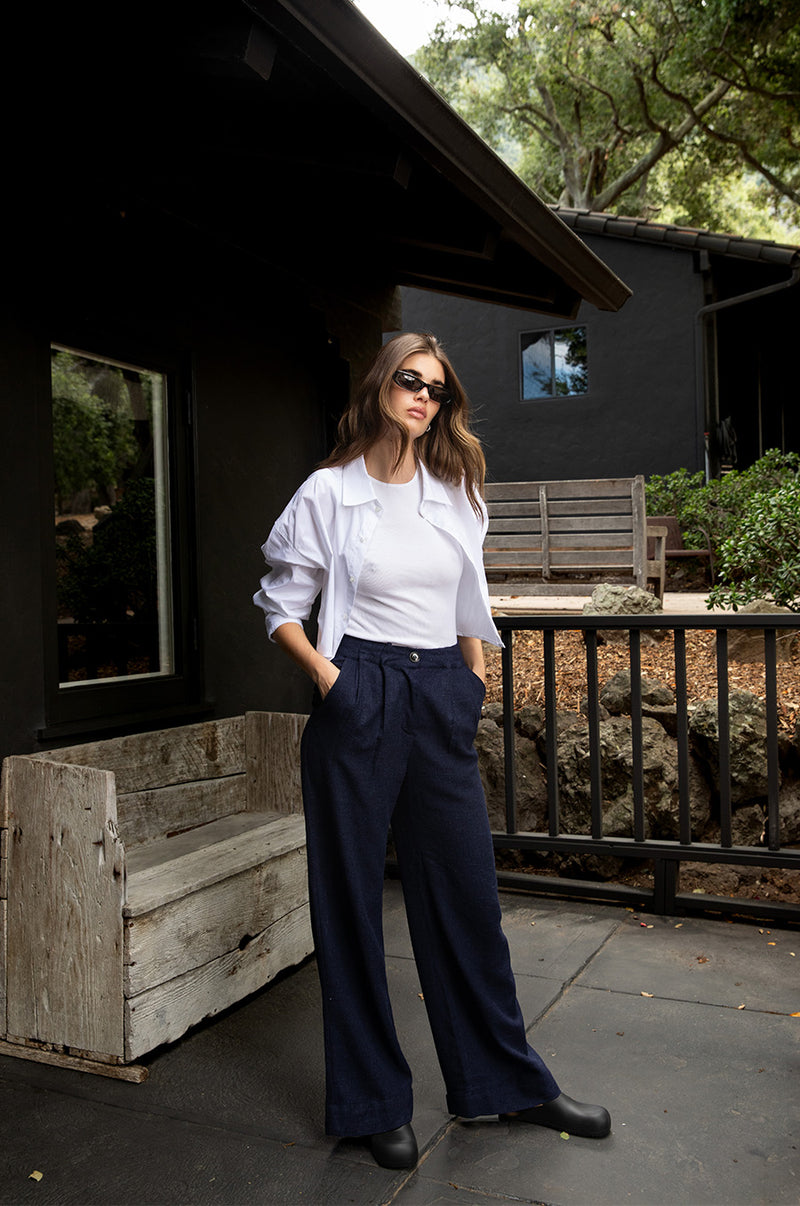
(417, 412)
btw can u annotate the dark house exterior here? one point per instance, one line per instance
(704, 353)
(204, 244)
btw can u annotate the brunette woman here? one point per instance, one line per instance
(389, 531)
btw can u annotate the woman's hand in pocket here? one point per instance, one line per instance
(325, 676)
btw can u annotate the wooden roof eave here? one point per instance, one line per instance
(364, 63)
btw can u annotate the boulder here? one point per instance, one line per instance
(747, 644)
(748, 743)
(660, 765)
(610, 600)
(531, 780)
(616, 694)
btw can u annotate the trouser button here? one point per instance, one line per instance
(413, 657)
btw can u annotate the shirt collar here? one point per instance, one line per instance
(357, 485)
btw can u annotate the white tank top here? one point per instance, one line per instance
(409, 581)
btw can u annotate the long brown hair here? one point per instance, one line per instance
(449, 450)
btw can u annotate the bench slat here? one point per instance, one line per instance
(562, 540)
(592, 523)
(168, 870)
(225, 916)
(574, 562)
(163, 1014)
(185, 754)
(146, 816)
(609, 487)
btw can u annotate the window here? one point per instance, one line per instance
(122, 596)
(553, 363)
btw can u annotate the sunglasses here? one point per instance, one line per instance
(413, 383)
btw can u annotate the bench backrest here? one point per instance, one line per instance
(577, 527)
(175, 779)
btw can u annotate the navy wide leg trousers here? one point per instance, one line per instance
(392, 745)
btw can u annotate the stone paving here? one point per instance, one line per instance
(682, 1027)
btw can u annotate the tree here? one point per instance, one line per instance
(600, 104)
(93, 438)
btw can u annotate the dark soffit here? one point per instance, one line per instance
(335, 35)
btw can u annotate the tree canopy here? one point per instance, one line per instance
(686, 110)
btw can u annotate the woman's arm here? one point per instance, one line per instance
(291, 638)
(472, 652)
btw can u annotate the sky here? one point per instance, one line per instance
(406, 23)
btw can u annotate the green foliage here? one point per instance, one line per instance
(729, 514)
(93, 440)
(761, 559)
(597, 104)
(112, 577)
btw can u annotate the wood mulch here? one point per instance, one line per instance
(658, 662)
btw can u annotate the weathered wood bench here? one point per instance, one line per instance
(558, 537)
(675, 548)
(148, 882)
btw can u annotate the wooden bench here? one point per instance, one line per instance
(148, 882)
(558, 537)
(675, 548)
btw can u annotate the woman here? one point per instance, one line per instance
(390, 531)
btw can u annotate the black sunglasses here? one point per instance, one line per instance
(413, 383)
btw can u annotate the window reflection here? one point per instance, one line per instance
(554, 363)
(113, 584)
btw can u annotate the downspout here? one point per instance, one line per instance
(699, 357)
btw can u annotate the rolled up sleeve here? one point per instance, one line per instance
(297, 552)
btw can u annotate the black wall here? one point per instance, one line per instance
(266, 379)
(640, 412)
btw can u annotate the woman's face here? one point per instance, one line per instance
(414, 409)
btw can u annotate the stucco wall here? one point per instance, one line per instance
(639, 415)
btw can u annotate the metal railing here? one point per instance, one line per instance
(666, 855)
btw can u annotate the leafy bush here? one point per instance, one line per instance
(762, 558)
(710, 512)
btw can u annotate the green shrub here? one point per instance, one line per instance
(712, 510)
(762, 557)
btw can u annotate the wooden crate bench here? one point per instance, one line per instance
(149, 882)
(558, 537)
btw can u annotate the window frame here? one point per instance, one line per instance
(551, 332)
(145, 700)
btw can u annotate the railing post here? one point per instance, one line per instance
(635, 640)
(551, 731)
(724, 739)
(773, 768)
(509, 737)
(682, 718)
(595, 760)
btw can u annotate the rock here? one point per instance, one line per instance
(616, 694)
(660, 766)
(747, 825)
(748, 743)
(602, 712)
(747, 644)
(610, 600)
(667, 717)
(789, 813)
(531, 780)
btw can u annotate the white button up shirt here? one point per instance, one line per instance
(320, 541)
